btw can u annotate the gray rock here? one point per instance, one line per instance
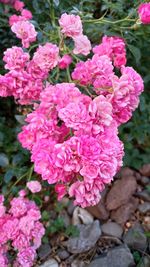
(136, 238)
(144, 208)
(145, 180)
(44, 251)
(63, 254)
(89, 234)
(78, 263)
(117, 257)
(50, 263)
(70, 208)
(145, 195)
(112, 228)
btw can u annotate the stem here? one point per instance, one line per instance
(68, 75)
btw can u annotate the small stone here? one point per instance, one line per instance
(70, 208)
(99, 211)
(145, 180)
(144, 208)
(78, 263)
(89, 235)
(63, 254)
(121, 192)
(145, 195)
(123, 213)
(145, 262)
(44, 251)
(145, 170)
(50, 263)
(136, 238)
(112, 228)
(126, 172)
(81, 216)
(117, 257)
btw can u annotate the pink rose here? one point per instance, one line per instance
(34, 186)
(64, 62)
(144, 13)
(71, 25)
(82, 45)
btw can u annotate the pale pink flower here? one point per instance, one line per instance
(26, 257)
(25, 31)
(34, 186)
(82, 45)
(144, 13)
(64, 62)
(71, 25)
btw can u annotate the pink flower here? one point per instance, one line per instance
(26, 14)
(60, 190)
(18, 5)
(114, 48)
(46, 57)
(71, 25)
(102, 109)
(25, 31)
(89, 148)
(14, 19)
(26, 257)
(144, 13)
(82, 45)
(64, 62)
(34, 186)
(15, 58)
(85, 194)
(74, 115)
(21, 241)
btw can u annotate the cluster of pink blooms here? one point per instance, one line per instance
(24, 81)
(72, 136)
(144, 13)
(71, 26)
(20, 230)
(16, 4)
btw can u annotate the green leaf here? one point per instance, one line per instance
(135, 52)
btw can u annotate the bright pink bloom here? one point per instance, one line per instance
(25, 31)
(64, 62)
(18, 5)
(82, 45)
(26, 14)
(60, 190)
(71, 25)
(46, 57)
(15, 58)
(144, 13)
(114, 48)
(34, 186)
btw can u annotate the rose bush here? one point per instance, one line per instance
(76, 95)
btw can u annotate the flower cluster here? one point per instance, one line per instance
(20, 231)
(72, 133)
(24, 81)
(20, 24)
(144, 13)
(71, 26)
